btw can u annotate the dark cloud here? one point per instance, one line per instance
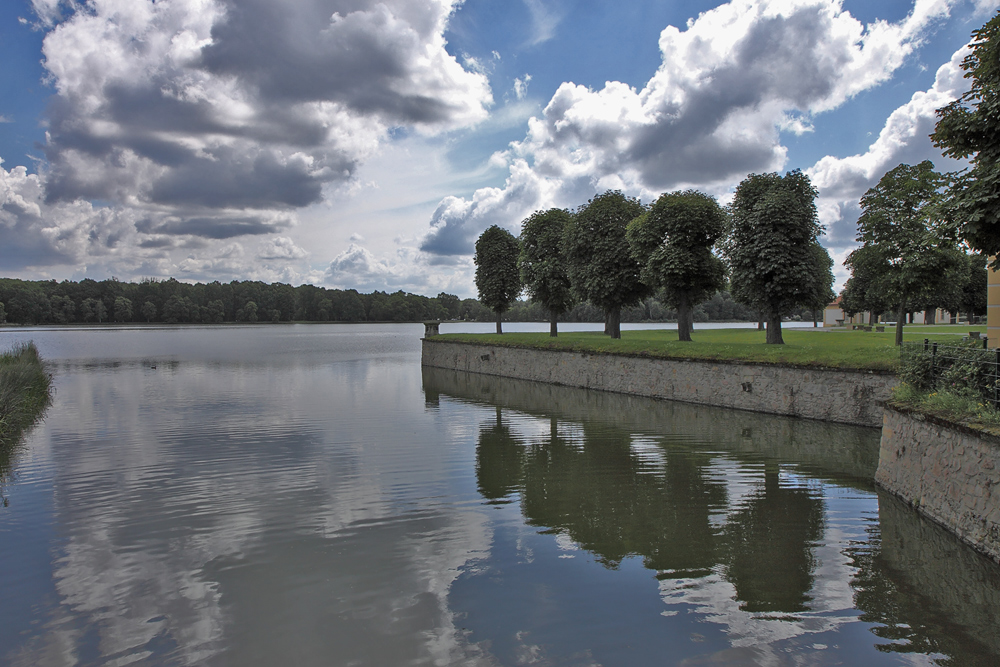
(297, 52)
(212, 227)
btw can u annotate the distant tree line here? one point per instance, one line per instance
(171, 301)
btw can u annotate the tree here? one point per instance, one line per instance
(148, 311)
(543, 264)
(906, 258)
(3, 314)
(967, 129)
(497, 278)
(216, 311)
(861, 291)
(451, 303)
(601, 266)
(973, 300)
(819, 292)
(673, 242)
(123, 309)
(771, 248)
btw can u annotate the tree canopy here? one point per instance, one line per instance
(601, 266)
(906, 259)
(967, 129)
(497, 277)
(542, 262)
(673, 243)
(771, 249)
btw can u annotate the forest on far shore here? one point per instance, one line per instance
(171, 301)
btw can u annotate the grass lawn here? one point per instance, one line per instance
(832, 348)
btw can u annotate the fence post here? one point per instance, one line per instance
(934, 366)
(926, 341)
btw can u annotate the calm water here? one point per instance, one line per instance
(307, 495)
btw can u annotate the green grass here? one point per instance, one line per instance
(24, 391)
(803, 347)
(971, 412)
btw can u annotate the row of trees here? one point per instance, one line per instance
(614, 252)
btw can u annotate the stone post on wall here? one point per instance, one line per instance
(993, 309)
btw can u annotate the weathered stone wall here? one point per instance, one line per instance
(849, 397)
(832, 451)
(950, 474)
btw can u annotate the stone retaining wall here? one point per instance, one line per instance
(845, 396)
(949, 473)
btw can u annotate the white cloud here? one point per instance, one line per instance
(410, 270)
(728, 85)
(6, 119)
(544, 21)
(253, 108)
(521, 86)
(904, 138)
(280, 247)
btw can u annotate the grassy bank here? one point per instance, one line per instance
(803, 347)
(24, 391)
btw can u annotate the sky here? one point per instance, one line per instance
(367, 143)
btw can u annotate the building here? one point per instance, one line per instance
(834, 316)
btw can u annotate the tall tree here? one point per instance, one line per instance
(497, 278)
(673, 244)
(601, 266)
(771, 247)
(543, 262)
(973, 300)
(906, 257)
(968, 129)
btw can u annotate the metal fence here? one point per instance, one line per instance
(967, 369)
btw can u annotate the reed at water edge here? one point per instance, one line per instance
(24, 391)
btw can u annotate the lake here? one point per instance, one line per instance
(308, 495)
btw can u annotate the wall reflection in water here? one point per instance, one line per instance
(742, 517)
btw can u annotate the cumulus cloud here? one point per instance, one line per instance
(904, 138)
(281, 247)
(728, 85)
(252, 106)
(359, 268)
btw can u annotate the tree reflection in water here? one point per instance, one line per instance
(705, 496)
(615, 504)
(769, 546)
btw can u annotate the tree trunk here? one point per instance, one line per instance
(930, 316)
(553, 329)
(499, 328)
(683, 320)
(774, 329)
(899, 323)
(607, 323)
(760, 321)
(814, 318)
(871, 317)
(615, 321)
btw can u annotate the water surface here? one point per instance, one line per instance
(308, 495)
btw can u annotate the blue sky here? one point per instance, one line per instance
(355, 143)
